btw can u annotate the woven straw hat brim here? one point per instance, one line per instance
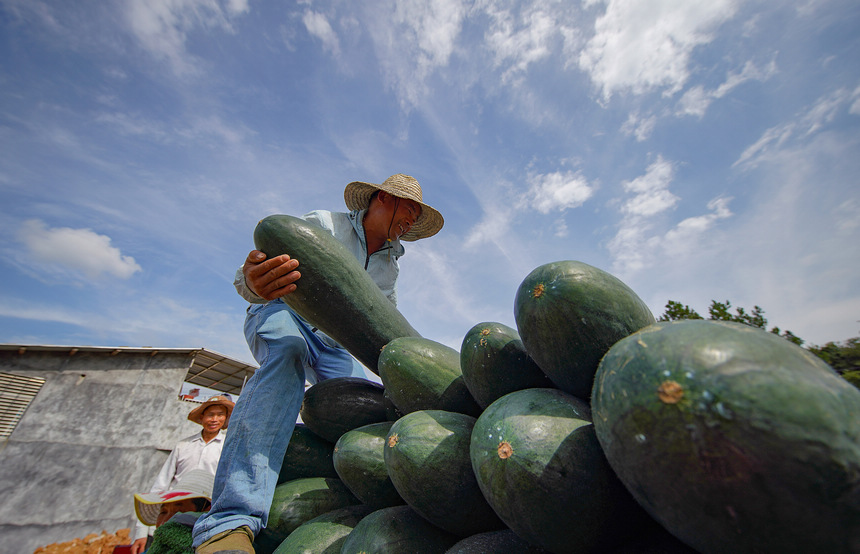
(197, 483)
(196, 414)
(357, 197)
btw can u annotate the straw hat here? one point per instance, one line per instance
(196, 414)
(197, 483)
(357, 196)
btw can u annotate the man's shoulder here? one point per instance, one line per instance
(191, 438)
(340, 224)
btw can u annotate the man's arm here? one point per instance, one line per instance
(264, 279)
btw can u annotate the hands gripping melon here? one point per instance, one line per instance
(334, 293)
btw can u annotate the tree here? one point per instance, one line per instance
(676, 310)
(720, 311)
(844, 357)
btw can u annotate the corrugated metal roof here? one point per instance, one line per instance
(208, 368)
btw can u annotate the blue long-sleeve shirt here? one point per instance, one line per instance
(382, 265)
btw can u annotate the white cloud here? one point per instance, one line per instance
(494, 224)
(76, 249)
(638, 243)
(807, 123)
(641, 45)
(651, 191)
(855, 105)
(161, 26)
(558, 191)
(695, 101)
(520, 42)
(683, 236)
(237, 6)
(640, 127)
(415, 40)
(318, 26)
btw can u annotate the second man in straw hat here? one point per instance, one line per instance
(285, 346)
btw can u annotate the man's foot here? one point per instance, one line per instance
(234, 541)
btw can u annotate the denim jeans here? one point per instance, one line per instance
(289, 352)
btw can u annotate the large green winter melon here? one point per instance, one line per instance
(537, 461)
(324, 534)
(332, 407)
(334, 292)
(502, 541)
(422, 374)
(427, 456)
(568, 314)
(397, 530)
(494, 362)
(733, 438)
(308, 455)
(298, 501)
(359, 459)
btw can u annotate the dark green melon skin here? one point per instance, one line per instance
(324, 534)
(494, 362)
(505, 541)
(539, 465)
(396, 530)
(733, 438)
(332, 407)
(298, 501)
(568, 314)
(359, 459)
(427, 457)
(334, 292)
(307, 455)
(422, 374)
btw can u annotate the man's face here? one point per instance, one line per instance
(213, 418)
(404, 217)
(168, 509)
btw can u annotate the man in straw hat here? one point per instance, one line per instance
(200, 451)
(191, 496)
(290, 351)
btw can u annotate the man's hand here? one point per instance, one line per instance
(271, 278)
(138, 546)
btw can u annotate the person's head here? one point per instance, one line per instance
(399, 202)
(213, 415)
(193, 493)
(169, 509)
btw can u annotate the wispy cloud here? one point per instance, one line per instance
(149, 321)
(638, 241)
(639, 127)
(696, 100)
(517, 41)
(642, 45)
(162, 26)
(411, 44)
(318, 26)
(807, 123)
(79, 250)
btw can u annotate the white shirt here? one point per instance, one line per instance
(189, 453)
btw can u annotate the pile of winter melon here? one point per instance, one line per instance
(590, 428)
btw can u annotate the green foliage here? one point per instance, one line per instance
(853, 377)
(676, 310)
(844, 357)
(721, 311)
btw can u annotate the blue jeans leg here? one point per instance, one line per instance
(265, 415)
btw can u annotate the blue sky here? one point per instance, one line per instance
(698, 150)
